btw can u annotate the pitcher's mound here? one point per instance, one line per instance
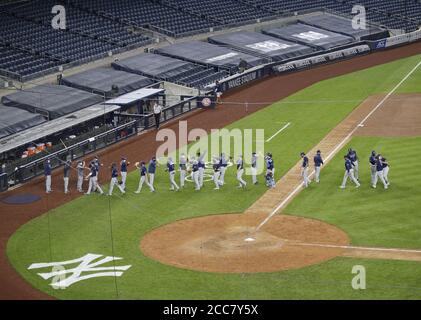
(228, 243)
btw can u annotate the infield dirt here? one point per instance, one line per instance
(269, 90)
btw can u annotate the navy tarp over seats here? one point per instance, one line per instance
(14, 120)
(309, 35)
(210, 54)
(344, 26)
(54, 100)
(262, 45)
(153, 65)
(101, 80)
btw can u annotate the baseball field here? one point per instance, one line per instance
(189, 245)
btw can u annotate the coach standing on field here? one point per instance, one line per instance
(47, 173)
(157, 110)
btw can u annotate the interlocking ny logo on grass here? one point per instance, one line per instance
(87, 265)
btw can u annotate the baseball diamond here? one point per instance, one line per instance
(223, 150)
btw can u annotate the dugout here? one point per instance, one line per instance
(52, 101)
(107, 82)
(15, 120)
(211, 55)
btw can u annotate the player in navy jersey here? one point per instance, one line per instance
(223, 164)
(143, 176)
(93, 179)
(386, 168)
(183, 169)
(216, 166)
(123, 171)
(318, 162)
(379, 172)
(202, 166)
(240, 172)
(114, 180)
(373, 170)
(352, 155)
(151, 173)
(47, 174)
(171, 171)
(349, 173)
(253, 168)
(195, 173)
(304, 169)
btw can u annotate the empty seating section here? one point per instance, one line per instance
(23, 63)
(150, 14)
(224, 11)
(79, 21)
(30, 47)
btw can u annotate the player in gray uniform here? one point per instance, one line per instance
(318, 162)
(373, 170)
(66, 174)
(114, 180)
(352, 155)
(240, 171)
(143, 176)
(254, 167)
(386, 168)
(216, 171)
(349, 173)
(183, 169)
(304, 169)
(379, 173)
(223, 167)
(201, 162)
(171, 171)
(80, 174)
(195, 173)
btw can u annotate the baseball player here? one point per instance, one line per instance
(352, 155)
(80, 173)
(349, 173)
(254, 167)
(47, 174)
(318, 162)
(151, 173)
(269, 163)
(143, 177)
(379, 172)
(66, 174)
(218, 92)
(240, 171)
(171, 171)
(373, 168)
(216, 171)
(223, 162)
(183, 169)
(386, 168)
(304, 169)
(202, 166)
(93, 179)
(195, 174)
(98, 166)
(123, 172)
(114, 180)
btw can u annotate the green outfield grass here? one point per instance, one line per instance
(84, 225)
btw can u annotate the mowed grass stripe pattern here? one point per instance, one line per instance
(83, 226)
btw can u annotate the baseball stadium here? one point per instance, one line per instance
(210, 150)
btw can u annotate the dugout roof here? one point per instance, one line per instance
(344, 26)
(262, 45)
(13, 120)
(100, 81)
(209, 54)
(53, 101)
(309, 36)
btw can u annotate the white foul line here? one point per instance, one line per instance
(331, 154)
(279, 131)
(354, 247)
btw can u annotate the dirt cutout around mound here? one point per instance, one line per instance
(144, 146)
(261, 241)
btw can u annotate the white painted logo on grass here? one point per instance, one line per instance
(86, 264)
